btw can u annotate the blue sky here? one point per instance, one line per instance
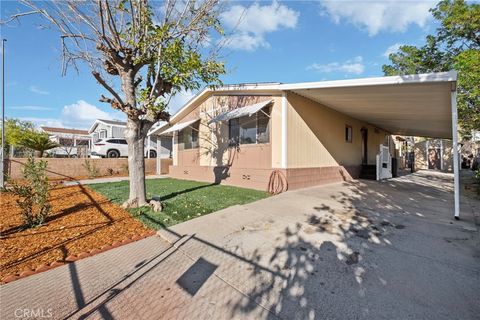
(289, 41)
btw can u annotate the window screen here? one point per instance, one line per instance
(188, 137)
(249, 130)
(234, 131)
(263, 124)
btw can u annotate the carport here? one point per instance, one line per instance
(416, 105)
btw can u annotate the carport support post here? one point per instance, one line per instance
(159, 155)
(284, 131)
(456, 169)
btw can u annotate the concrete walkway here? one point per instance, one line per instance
(108, 179)
(363, 250)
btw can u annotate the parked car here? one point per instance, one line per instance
(115, 148)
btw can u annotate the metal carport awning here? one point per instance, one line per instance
(241, 112)
(414, 105)
(179, 126)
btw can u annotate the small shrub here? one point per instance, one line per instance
(92, 170)
(110, 171)
(33, 194)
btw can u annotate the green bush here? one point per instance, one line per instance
(33, 193)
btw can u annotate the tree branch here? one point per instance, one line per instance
(106, 86)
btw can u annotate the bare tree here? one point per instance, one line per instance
(66, 144)
(142, 52)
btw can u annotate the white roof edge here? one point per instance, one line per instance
(90, 130)
(190, 102)
(240, 87)
(108, 124)
(156, 129)
(449, 76)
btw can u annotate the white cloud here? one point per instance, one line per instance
(48, 122)
(37, 90)
(375, 16)
(392, 49)
(354, 66)
(251, 24)
(80, 115)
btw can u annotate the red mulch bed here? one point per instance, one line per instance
(81, 220)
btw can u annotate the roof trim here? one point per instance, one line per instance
(64, 130)
(97, 121)
(449, 76)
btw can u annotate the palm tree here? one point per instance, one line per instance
(38, 141)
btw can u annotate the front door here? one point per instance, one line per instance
(364, 133)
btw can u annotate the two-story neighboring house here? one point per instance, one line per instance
(114, 129)
(72, 142)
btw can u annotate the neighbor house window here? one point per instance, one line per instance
(188, 137)
(82, 142)
(65, 142)
(348, 133)
(249, 130)
(103, 133)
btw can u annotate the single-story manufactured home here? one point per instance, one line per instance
(273, 136)
(71, 142)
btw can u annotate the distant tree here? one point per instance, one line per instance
(67, 144)
(456, 45)
(150, 50)
(15, 130)
(37, 141)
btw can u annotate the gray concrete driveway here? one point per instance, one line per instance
(358, 250)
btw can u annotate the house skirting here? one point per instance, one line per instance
(259, 178)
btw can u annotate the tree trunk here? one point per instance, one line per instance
(135, 136)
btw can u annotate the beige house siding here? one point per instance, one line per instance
(213, 138)
(317, 150)
(316, 136)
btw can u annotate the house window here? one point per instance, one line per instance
(188, 137)
(82, 142)
(250, 130)
(103, 133)
(348, 133)
(65, 142)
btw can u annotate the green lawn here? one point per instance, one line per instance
(183, 199)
